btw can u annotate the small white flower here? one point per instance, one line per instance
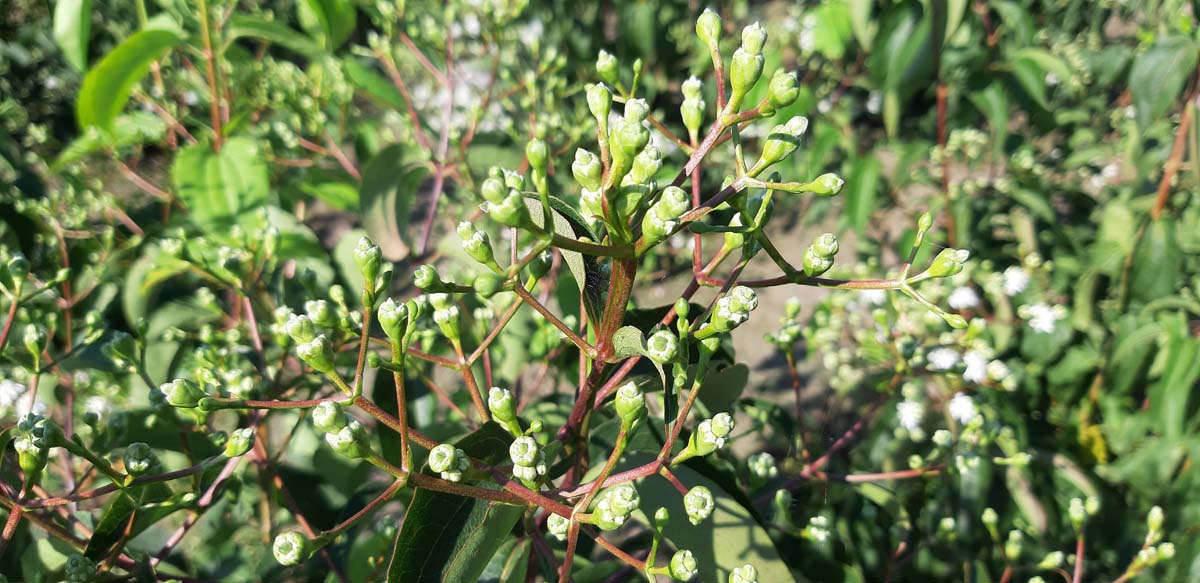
(963, 298)
(943, 358)
(1052, 79)
(1016, 279)
(977, 365)
(875, 102)
(98, 406)
(1042, 318)
(190, 98)
(824, 106)
(962, 408)
(997, 371)
(910, 414)
(10, 392)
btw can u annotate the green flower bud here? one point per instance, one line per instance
(662, 516)
(440, 301)
(317, 353)
(631, 404)
(699, 504)
(783, 89)
(762, 466)
(1015, 545)
(1154, 519)
(663, 217)
(500, 403)
(476, 244)
(301, 329)
(538, 154)
(636, 110)
(321, 313)
(781, 143)
(628, 138)
(1166, 551)
(711, 434)
(393, 318)
(349, 441)
(33, 451)
(18, 268)
(826, 244)
(816, 264)
(645, 165)
(447, 321)
(79, 569)
(731, 311)
(606, 67)
(682, 308)
(488, 284)
(328, 417)
(239, 442)
(827, 184)
(692, 109)
(1051, 561)
(753, 39)
(744, 70)
(744, 574)
(662, 346)
(493, 189)
(599, 100)
(1091, 505)
(947, 263)
(182, 393)
(290, 548)
(139, 459)
(368, 256)
(1076, 513)
(449, 461)
(708, 28)
(683, 566)
(35, 339)
(587, 169)
(614, 506)
(525, 451)
(510, 212)
(989, 517)
(426, 278)
(540, 266)
(558, 526)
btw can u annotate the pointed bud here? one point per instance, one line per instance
(368, 256)
(426, 278)
(692, 109)
(781, 143)
(631, 404)
(606, 67)
(948, 263)
(182, 393)
(708, 28)
(393, 318)
(500, 403)
(317, 353)
(599, 100)
(587, 169)
(239, 442)
(826, 185)
(783, 89)
(329, 417)
(476, 244)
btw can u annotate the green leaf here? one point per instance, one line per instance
(218, 187)
(373, 84)
(111, 529)
(243, 25)
(453, 538)
(335, 18)
(72, 28)
(1158, 75)
(729, 538)
(386, 196)
(509, 564)
(108, 85)
(721, 388)
(1114, 239)
(1156, 263)
(135, 127)
(861, 23)
(863, 182)
(1171, 397)
(584, 268)
(628, 341)
(339, 195)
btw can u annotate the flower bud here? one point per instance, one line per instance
(816, 264)
(1166, 551)
(239, 442)
(510, 212)
(182, 393)
(606, 67)
(317, 353)
(1052, 560)
(708, 28)
(827, 184)
(614, 506)
(558, 526)
(587, 169)
(476, 244)
(349, 441)
(630, 403)
(753, 39)
(663, 217)
(35, 339)
(628, 138)
(762, 466)
(744, 574)
(1015, 545)
(18, 268)
(744, 70)
(524, 451)
(645, 165)
(139, 459)
(488, 284)
(699, 504)
(781, 143)
(368, 256)
(538, 154)
(711, 434)
(392, 317)
(290, 548)
(599, 100)
(683, 566)
(426, 278)
(783, 89)
(80, 569)
(449, 461)
(662, 346)
(947, 263)
(329, 417)
(500, 403)
(300, 328)
(636, 110)
(1154, 519)
(692, 109)
(493, 189)
(732, 310)
(1076, 513)
(447, 320)
(320, 312)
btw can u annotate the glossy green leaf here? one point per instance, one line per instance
(1158, 76)
(218, 187)
(72, 29)
(449, 538)
(386, 197)
(109, 84)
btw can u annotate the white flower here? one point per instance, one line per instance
(910, 414)
(10, 392)
(963, 298)
(997, 371)
(1016, 279)
(97, 405)
(977, 366)
(962, 408)
(872, 297)
(1042, 318)
(874, 102)
(942, 358)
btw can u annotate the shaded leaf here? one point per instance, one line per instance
(386, 196)
(1158, 76)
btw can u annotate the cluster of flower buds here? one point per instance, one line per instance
(631, 405)
(139, 459)
(1079, 510)
(709, 436)
(818, 258)
(731, 311)
(614, 505)
(692, 109)
(762, 466)
(445, 315)
(662, 346)
(529, 461)
(699, 504)
(683, 565)
(663, 217)
(290, 548)
(35, 435)
(79, 569)
(344, 435)
(746, 66)
(744, 574)
(240, 442)
(449, 461)
(558, 526)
